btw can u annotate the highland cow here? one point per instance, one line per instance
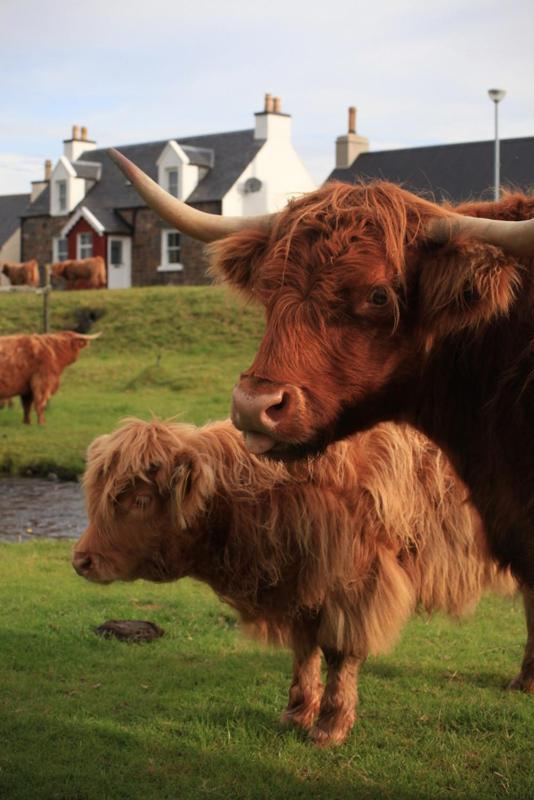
(327, 555)
(31, 366)
(22, 274)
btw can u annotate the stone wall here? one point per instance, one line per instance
(146, 252)
(36, 237)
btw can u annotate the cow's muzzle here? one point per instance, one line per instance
(266, 412)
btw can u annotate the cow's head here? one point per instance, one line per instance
(144, 485)
(70, 343)
(358, 284)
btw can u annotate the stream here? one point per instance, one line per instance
(34, 507)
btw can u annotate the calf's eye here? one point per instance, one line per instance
(142, 500)
(379, 296)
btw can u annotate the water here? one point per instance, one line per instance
(33, 507)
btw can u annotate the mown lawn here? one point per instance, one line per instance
(163, 351)
(195, 714)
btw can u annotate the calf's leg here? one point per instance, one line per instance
(306, 688)
(525, 680)
(337, 713)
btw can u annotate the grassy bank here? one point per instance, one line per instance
(163, 351)
(195, 714)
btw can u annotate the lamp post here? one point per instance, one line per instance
(497, 95)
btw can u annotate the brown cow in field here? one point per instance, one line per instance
(22, 274)
(85, 273)
(31, 366)
(331, 554)
(383, 306)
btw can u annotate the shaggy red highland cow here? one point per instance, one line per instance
(84, 273)
(22, 274)
(383, 306)
(31, 366)
(331, 554)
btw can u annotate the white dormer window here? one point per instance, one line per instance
(85, 245)
(172, 181)
(61, 187)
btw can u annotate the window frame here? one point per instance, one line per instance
(81, 246)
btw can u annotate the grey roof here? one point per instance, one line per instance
(12, 206)
(87, 169)
(454, 172)
(228, 154)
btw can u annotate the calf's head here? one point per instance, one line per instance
(144, 485)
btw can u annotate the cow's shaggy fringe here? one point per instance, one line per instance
(362, 536)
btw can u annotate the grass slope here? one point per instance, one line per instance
(163, 351)
(195, 714)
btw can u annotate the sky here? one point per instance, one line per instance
(131, 71)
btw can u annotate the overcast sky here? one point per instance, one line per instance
(132, 71)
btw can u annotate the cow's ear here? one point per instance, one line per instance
(192, 483)
(464, 285)
(234, 258)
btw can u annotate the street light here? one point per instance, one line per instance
(497, 95)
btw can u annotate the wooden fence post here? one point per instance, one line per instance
(46, 299)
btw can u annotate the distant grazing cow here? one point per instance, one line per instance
(86, 273)
(23, 274)
(330, 554)
(383, 306)
(31, 366)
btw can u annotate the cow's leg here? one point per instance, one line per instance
(306, 688)
(338, 705)
(26, 401)
(525, 680)
(43, 388)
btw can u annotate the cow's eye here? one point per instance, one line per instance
(142, 501)
(379, 296)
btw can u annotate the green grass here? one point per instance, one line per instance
(163, 351)
(195, 714)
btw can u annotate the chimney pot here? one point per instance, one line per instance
(268, 104)
(75, 132)
(47, 169)
(84, 133)
(352, 119)
(277, 105)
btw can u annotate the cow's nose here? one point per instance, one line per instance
(260, 412)
(82, 563)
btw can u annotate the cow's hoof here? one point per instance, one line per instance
(524, 682)
(301, 717)
(329, 735)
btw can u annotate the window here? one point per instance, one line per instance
(170, 252)
(172, 182)
(85, 245)
(60, 249)
(172, 248)
(61, 195)
(115, 253)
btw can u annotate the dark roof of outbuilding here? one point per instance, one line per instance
(224, 154)
(12, 206)
(454, 172)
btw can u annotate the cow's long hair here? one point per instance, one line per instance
(363, 535)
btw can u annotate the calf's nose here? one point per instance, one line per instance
(82, 563)
(259, 410)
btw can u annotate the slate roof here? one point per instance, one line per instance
(226, 155)
(454, 172)
(12, 206)
(87, 169)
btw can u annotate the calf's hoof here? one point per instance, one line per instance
(328, 733)
(524, 682)
(302, 716)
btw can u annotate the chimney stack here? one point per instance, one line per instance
(350, 146)
(47, 169)
(84, 133)
(277, 105)
(268, 104)
(75, 133)
(272, 123)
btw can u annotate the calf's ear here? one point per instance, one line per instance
(192, 482)
(464, 285)
(234, 258)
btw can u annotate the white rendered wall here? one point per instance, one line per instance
(73, 148)
(10, 251)
(283, 175)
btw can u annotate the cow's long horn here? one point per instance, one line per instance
(517, 238)
(89, 336)
(198, 224)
